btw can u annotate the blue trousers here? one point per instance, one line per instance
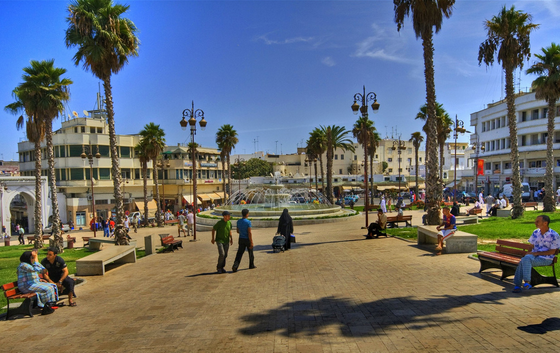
(523, 271)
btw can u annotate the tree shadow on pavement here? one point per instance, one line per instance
(311, 317)
(550, 324)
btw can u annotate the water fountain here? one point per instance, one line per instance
(266, 203)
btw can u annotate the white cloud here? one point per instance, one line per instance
(267, 41)
(387, 47)
(328, 61)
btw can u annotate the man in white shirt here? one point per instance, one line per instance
(190, 222)
(503, 202)
(558, 196)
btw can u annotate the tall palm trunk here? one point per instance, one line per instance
(330, 153)
(548, 203)
(228, 176)
(158, 208)
(315, 165)
(223, 178)
(416, 169)
(120, 232)
(322, 175)
(441, 148)
(433, 187)
(145, 180)
(38, 241)
(518, 209)
(371, 173)
(58, 240)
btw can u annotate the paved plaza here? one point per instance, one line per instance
(334, 291)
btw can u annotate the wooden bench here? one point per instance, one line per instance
(460, 242)
(170, 243)
(95, 264)
(86, 240)
(392, 221)
(476, 211)
(31, 239)
(12, 292)
(507, 257)
(172, 221)
(535, 205)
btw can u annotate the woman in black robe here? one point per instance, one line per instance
(285, 227)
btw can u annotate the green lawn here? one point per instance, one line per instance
(494, 228)
(9, 261)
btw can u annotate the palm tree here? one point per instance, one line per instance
(363, 131)
(444, 124)
(152, 137)
(317, 141)
(508, 42)
(43, 94)
(336, 137)
(416, 138)
(427, 17)
(105, 41)
(372, 148)
(226, 139)
(547, 87)
(141, 151)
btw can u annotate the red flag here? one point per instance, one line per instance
(480, 167)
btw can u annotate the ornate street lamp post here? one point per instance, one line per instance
(89, 157)
(365, 98)
(459, 129)
(399, 146)
(477, 148)
(3, 188)
(192, 115)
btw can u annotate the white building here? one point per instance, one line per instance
(492, 130)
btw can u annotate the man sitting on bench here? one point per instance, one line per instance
(449, 227)
(57, 272)
(545, 242)
(377, 227)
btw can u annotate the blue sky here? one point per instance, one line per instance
(275, 70)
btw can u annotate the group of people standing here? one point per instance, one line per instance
(222, 237)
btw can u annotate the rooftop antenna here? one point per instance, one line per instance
(86, 113)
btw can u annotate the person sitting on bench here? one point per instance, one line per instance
(377, 227)
(545, 242)
(449, 228)
(56, 272)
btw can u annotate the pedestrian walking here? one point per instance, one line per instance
(286, 228)
(221, 236)
(106, 232)
(181, 225)
(245, 241)
(135, 223)
(190, 223)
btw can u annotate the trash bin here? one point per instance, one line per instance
(70, 243)
(7, 241)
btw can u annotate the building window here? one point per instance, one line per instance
(507, 165)
(99, 130)
(544, 113)
(80, 218)
(493, 124)
(336, 156)
(523, 140)
(104, 173)
(483, 127)
(487, 166)
(376, 156)
(125, 173)
(76, 174)
(125, 152)
(389, 159)
(341, 157)
(75, 151)
(390, 170)
(419, 159)
(94, 174)
(103, 151)
(92, 130)
(340, 171)
(83, 129)
(535, 114)
(355, 157)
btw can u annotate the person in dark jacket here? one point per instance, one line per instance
(285, 227)
(455, 209)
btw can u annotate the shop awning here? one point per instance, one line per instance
(420, 186)
(217, 196)
(391, 187)
(203, 197)
(152, 206)
(346, 188)
(188, 198)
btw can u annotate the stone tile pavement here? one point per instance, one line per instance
(333, 292)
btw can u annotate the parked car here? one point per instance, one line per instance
(470, 196)
(48, 229)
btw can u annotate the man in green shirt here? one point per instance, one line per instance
(221, 235)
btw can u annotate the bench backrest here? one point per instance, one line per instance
(404, 218)
(513, 248)
(167, 240)
(10, 289)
